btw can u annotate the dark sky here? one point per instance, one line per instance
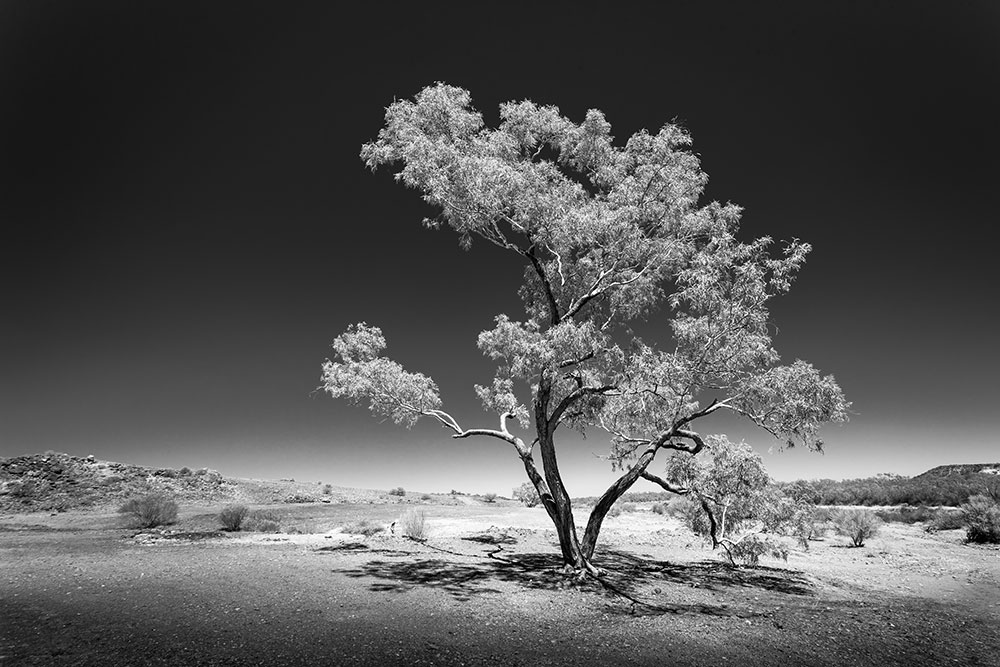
(187, 224)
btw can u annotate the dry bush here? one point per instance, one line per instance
(327, 489)
(981, 516)
(946, 519)
(233, 516)
(413, 525)
(154, 509)
(363, 527)
(490, 497)
(398, 491)
(858, 525)
(262, 521)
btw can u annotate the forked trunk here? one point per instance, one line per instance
(607, 501)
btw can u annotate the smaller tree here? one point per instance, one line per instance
(731, 499)
(859, 525)
(527, 494)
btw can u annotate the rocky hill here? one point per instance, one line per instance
(55, 482)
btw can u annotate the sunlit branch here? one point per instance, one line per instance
(667, 486)
(449, 422)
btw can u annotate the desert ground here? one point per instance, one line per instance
(81, 588)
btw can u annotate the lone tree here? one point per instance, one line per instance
(609, 236)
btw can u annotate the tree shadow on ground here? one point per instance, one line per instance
(628, 578)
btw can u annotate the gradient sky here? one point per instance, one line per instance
(188, 224)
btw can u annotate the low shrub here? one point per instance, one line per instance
(299, 498)
(659, 508)
(858, 525)
(262, 521)
(946, 519)
(151, 510)
(413, 525)
(363, 527)
(425, 497)
(490, 497)
(398, 491)
(981, 516)
(905, 514)
(327, 489)
(628, 507)
(233, 516)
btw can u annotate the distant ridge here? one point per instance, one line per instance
(960, 470)
(56, 482)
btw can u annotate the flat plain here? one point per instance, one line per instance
(81, 588)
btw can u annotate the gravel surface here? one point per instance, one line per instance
(484, 589)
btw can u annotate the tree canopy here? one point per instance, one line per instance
(609, 235)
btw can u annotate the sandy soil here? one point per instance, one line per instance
(484, 589)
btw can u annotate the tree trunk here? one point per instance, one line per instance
(604, 504)
(561, 511)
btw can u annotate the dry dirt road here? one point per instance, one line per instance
(78, 589)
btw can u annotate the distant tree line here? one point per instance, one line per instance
(947, 490)
(889, 490)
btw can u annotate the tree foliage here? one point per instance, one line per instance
(608, 235)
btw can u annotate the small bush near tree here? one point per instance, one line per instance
(398, 491)
(859, 525)
(490, 497)
(233, 516)
(981, 516)
(527, 494)
(151, 510)
(413, 525)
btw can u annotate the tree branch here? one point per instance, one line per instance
(573, 397)
(540, 271)
(667, 486)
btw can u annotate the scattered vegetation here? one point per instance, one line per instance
(398, 491)
(233, 516)
(151, 510)
(413, 525)
(527, 494)
(327, 489)
(858, 525)
(981, 516)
